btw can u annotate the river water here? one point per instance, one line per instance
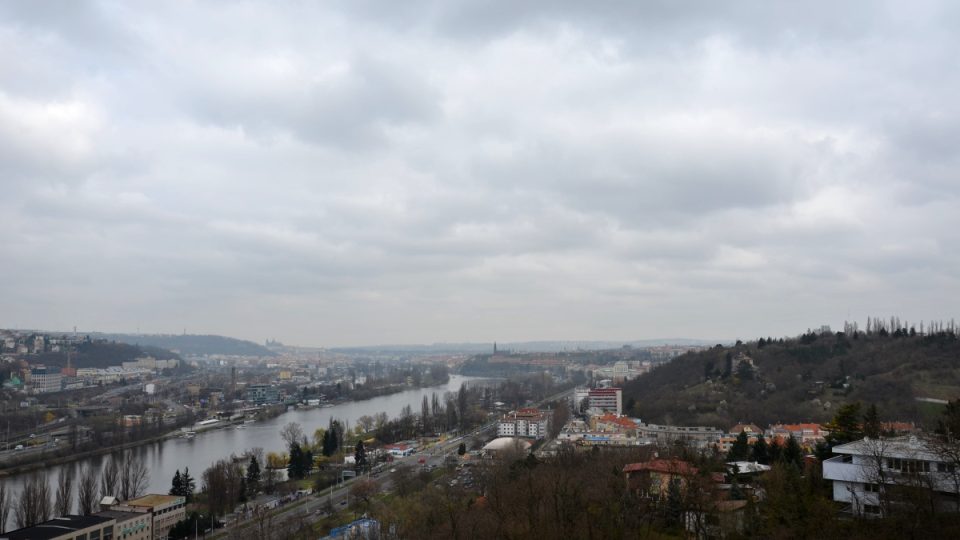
(165, 457)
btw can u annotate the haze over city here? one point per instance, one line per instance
(359, 173)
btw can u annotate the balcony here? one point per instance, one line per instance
(843, 469)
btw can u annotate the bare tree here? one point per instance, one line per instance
(34, 504)
(292, 433)
(109, 477)
(4, 506)
(134, 477)
(64, 492)
(222, 482)
(87, 491)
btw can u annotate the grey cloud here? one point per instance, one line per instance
(427, 171)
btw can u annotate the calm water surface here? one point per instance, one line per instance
(165, 457)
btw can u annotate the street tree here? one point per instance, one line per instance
(253, 474)
(4, 506)
(33, 505)
(360, 457)
(87, 498)
(109, 477)
(134, 477)
(64, 495)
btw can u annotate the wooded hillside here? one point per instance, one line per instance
(802, 379)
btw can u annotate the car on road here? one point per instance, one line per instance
(19, 447)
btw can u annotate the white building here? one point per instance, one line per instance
(531, 423)
(43, 379)
(606, 399)
(699, 437)
(863, 469)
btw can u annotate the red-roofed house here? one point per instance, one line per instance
(808, 435)
(609, 422)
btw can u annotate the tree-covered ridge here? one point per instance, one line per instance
(199, 345)
(802, 379)
(101, 354)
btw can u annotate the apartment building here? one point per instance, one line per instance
(67, 528)
(44, 379)
(606, 399)
(865, 469)
(699, 437)
(165, 511)
(532, 423)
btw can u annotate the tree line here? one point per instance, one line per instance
(124, 476)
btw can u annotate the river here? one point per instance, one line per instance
(165, 457)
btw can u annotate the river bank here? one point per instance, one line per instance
(265, 416)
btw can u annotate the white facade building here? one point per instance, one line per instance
(43, 379)
(531, 423)
(864, 468)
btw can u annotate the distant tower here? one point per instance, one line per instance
(233, 382)
(494, 347)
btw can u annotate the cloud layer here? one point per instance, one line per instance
(439, 171)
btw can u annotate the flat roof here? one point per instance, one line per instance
(55, 527)
(153, 500)
(120, 515)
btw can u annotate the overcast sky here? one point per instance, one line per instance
(331, 173)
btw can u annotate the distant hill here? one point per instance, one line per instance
(101, 354)
(803, 379)
(519, 346)
(199, 345)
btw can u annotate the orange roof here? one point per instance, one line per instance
(799, 427)
(669, 466)
(622, 421)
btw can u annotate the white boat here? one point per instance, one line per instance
(190, 434)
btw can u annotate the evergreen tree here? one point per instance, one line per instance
(760, 452)
(774, 451)
(253, 474)
(871, 422)
(295, 465)
(948, 427)
(189, 484)
(674, 506)
(177, 485)
(360, 457)
(329, 443)
(845, 426)
(736, 492)
(306, 462)
(740, 449)
(792, 453)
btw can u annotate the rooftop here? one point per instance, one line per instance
(55, 527)
(154, 500)
(671, 466)
(120, 515)
(507, 443)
